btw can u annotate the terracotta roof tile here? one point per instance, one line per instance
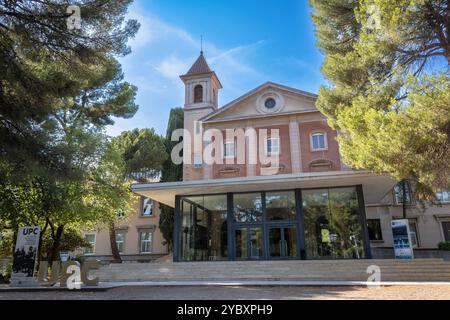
(199, 66)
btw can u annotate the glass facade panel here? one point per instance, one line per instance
(269, 228)
(241, 243)
(290, 242)
(256, 243)
(275, 242)
(203, 228)
(316, 211)
(280, 205)
(248, 207)
(332, 224)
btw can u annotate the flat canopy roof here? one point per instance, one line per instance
(375, 186)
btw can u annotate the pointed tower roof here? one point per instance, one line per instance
(199, 66)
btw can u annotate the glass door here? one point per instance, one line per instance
(275, 242)
(282, 242)
(249, 243)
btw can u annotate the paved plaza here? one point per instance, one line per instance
(418, 292)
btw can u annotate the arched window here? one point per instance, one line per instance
(198, 94)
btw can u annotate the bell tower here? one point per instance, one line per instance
(201, 86)
(201, 98)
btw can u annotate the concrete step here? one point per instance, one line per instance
(287, 266)
(278, 267)
(333, 270)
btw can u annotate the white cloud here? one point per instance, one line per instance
(172, 67)
(230, 53)
(153, 29)
(161, 52)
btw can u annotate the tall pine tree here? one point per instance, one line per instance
(387, 63)
(44, 65)
(171, 172)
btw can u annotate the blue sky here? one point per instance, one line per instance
(247, 42)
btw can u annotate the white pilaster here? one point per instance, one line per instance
(251, 142)
(294, 138)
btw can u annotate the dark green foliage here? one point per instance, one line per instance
(71, 240)
(48, 70)
(59, 88)
(142, 150)
(388, 92)
(170, 172)
(444, 246)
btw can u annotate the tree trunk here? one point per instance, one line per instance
(39, 255)
(54, 252)
(113, 243)
(14, 242)
(39, 251)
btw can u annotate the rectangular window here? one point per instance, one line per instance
(120, 241)
(147, 207)
(374, 228)
(398, 193)
(446, 230)
(272, 146)
(414, 234)
(146, 238)
(318, 141)
(91, 239)
(443, 196)
(229, 149)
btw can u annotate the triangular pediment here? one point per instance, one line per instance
(265, 100)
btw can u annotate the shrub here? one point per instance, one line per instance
(444, 246)
(5, 270)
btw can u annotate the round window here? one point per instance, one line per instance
(270, 103)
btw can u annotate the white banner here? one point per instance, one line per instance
(25, 257)
(402, 239)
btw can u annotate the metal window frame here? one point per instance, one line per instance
(232, 225)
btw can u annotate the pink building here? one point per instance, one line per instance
(277, 187)
(138, 236)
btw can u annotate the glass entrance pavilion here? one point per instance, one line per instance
(318, 223)
(307, 215)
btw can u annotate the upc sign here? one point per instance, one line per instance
(71, 275)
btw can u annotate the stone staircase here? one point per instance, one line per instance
(337, 270)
